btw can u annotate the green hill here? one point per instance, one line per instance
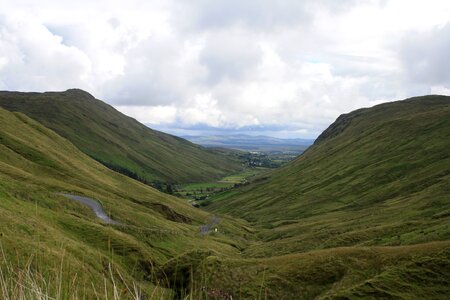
(48, 240)
(376, 176)
(364, 213)
(397, 272)
(120, 142)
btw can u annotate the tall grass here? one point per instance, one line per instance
(32, 279)
(27, 280)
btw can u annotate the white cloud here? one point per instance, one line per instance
(440, 90)
(202, 109)
(293, 66)
(35, 59)
(150, 114)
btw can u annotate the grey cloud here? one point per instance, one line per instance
(229, 54)
(425, 56)
(114, 22)
(254, 13)
(260, 15)
(138, 88)
(153, 75)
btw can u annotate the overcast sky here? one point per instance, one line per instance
(285, 68)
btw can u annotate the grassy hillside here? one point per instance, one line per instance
(400, 272)
(377, 176)
(118, 141)
(362, 214)
(45, 233)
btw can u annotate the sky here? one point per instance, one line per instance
(283, 68)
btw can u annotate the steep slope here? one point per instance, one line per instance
(118, 141)
(399, 272)
(379, 175)
(50, 232)
(158, 244)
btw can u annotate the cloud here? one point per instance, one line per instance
(229, 54)
(259, 14)
(150, 114)
(425, 56)
(32, 58)
(440, 90)
(290, 66)
(159, 70)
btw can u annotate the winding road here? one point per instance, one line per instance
(205, 229)
(101, 214)
(94, 205)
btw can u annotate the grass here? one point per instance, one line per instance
(29, 281)
(226, 181)
(401, 272)
(364, 213)
(120, 142)
(36, 164)
(201, 191)
(243, 176)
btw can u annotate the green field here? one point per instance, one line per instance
(243, 176)
(198, 191)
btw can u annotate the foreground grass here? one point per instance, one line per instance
(405, 272)
(31, 280)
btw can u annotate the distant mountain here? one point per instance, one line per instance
(251, 143)
(118, 141)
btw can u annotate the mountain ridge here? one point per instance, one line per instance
(57, 235)
(132, 148)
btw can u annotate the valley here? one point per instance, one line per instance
(362, 213)
(202, 192)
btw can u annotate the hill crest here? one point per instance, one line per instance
(132, 148)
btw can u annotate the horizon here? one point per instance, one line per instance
(282, 69)
(244, 134)
(183, 132)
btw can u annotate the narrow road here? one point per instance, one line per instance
(94, 205)
(101, 214)
(205, 229)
